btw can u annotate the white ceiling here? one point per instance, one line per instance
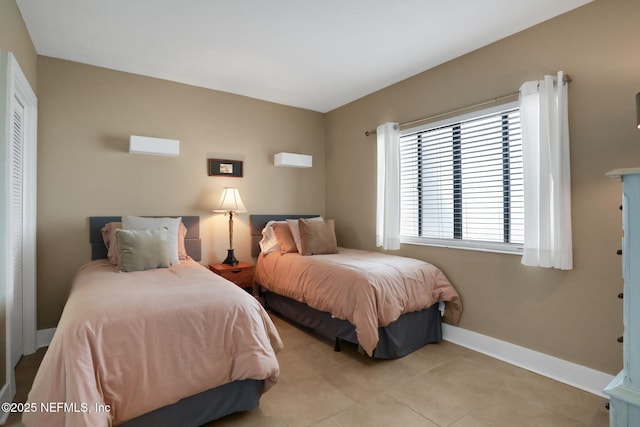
(311, 54)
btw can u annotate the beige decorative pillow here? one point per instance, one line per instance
(284, 237)
(109, 238)
(295, 231)
(317, 237)
(142, 249)
(171, 224)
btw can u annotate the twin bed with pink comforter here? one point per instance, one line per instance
(370, 290)
(388, 305)
(129, 347)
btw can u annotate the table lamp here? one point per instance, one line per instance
(230, 202)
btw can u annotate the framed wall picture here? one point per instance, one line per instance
(219, 167)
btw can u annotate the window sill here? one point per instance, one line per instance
(502, 248)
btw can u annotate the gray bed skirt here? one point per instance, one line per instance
(407, 334)
(193, 411)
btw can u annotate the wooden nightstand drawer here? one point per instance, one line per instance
(240, 274)
(243, 278)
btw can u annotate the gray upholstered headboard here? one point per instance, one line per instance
(257, 223)
(192, 241)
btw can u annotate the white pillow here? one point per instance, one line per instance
(295, 230)
(171, 224)
(269, 243)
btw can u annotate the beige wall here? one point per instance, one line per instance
(13, 38)
(572, 315)
(86, 115)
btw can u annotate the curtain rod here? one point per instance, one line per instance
(566, 79)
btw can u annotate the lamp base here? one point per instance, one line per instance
(231, 258)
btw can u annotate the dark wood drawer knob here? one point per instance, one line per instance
(621, 295)
(619, 252)
(620, 339)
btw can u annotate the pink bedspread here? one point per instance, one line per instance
(139, 341)
(369, 289)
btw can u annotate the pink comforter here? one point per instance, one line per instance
(369, 289)
(134, 342)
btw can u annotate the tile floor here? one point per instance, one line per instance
(439, 385)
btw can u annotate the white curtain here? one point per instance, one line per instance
(547, 173)
(388, 200)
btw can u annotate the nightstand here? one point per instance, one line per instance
(241, 274)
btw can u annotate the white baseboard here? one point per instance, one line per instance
(570, 373)
(5, 397)
(44, 337)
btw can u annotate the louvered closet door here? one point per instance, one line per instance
(16, 207)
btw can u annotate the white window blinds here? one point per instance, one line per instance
(462, 180)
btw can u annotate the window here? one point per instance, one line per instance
(461, 182)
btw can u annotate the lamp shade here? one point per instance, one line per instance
(638, 109)
(230, 201)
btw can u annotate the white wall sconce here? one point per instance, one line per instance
(291, 160)
(153, 146)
